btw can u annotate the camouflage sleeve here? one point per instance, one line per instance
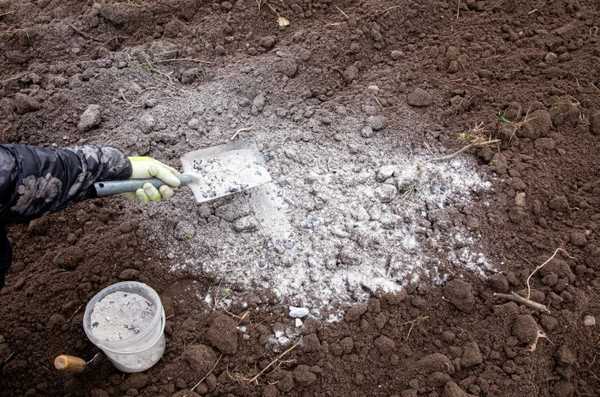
(35, 181)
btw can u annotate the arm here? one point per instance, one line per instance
(35, 181)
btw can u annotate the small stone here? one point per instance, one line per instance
(25, 104)
(520, 199)
(147, 123)
(419, 98)
(350, 74)
(298, 312)
(226, 5)
(245, 225)
(589, 321)
(471, 355)
(386, 193)
(267, 42)
(184, 231)
(396, 54)
(90, 118)
(384, 173)
(377, 123)
(129, 274)
(366, 132)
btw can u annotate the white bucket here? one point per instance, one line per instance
(138, 352)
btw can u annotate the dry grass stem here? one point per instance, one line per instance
(275, 361)
(413, 323)
(540, 267)
(208, 373)
(477, 143)
(342, 12)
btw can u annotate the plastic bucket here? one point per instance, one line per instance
(138, 352)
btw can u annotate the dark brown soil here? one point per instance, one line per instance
(528, 71)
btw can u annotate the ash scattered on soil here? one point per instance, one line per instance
(347, 214)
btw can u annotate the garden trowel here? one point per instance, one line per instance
(212, 172)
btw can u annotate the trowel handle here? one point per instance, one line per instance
(71, 364)
(109, 188)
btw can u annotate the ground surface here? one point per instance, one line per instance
(443, 74)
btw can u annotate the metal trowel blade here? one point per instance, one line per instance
(222, 170)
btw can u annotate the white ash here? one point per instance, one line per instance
(120, 316)
(334, 226)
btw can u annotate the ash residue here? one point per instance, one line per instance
(347, 213)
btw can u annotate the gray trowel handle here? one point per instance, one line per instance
(109, 188)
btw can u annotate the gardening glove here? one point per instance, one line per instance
(147, 167)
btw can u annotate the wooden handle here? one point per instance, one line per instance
(68, 363)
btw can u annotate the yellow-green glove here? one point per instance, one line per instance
(147, 167)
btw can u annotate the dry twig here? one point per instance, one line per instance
(245, 129)
(208, 373)
(513, 296)
(413, 323)
(7, 13)
(342, 12)
(74, 313)
(475, 143)
(275, 361)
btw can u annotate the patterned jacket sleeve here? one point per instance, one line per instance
(35, 181)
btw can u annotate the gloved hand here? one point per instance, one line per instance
(147, 167)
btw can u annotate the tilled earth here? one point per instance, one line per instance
(362, 83)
